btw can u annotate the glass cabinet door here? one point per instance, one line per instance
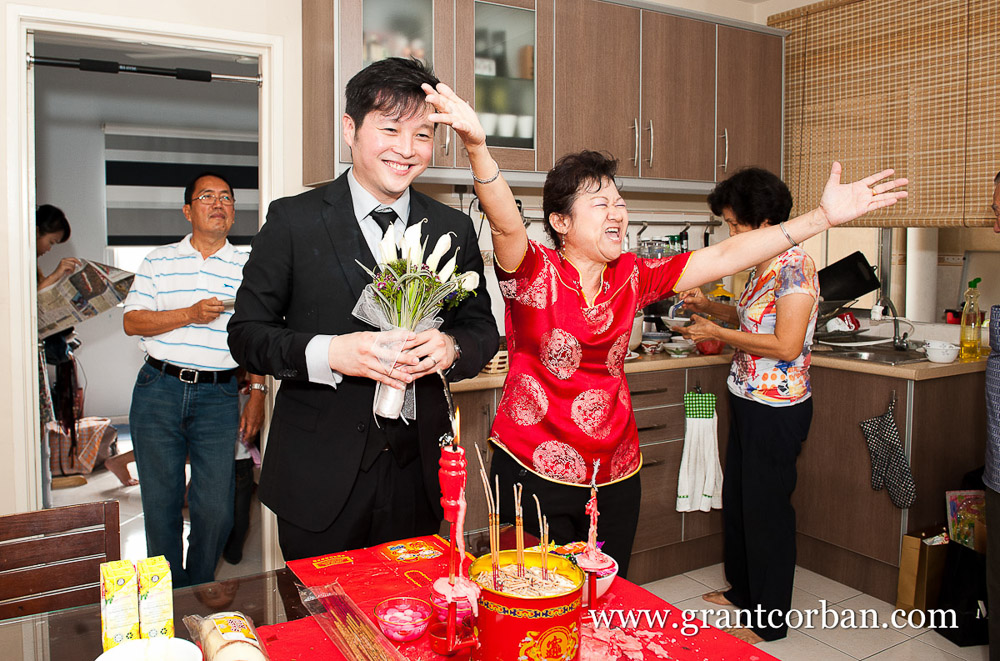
(395, 29)
(502, 70)
(372, 30)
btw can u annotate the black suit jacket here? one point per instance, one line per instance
(302, 280)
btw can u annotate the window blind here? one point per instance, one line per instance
(146, 170)
(895, 83)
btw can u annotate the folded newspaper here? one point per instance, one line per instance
(87, 292)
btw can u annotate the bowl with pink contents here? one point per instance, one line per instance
(403, 618)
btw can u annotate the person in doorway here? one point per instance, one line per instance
(565, 418)
(335, 478)
(51, 227)
(991, 477)
(769, 401)
(185, 403)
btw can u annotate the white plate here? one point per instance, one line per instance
(631, 355)
(153, 649)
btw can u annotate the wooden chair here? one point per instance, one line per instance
(51, 559)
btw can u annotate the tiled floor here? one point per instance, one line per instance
(102, 485)
(829, 644)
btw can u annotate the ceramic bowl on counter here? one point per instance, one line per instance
(650, 346)
(940, 352)
(678, 349)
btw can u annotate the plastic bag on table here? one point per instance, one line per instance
(226, 636)
(344, 623)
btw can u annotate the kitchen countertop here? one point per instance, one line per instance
(645, 363)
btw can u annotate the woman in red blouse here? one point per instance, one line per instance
(565, 417)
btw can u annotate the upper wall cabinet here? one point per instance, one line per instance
(672, 97)
(749, 100)
(504, 69)
(653, 102)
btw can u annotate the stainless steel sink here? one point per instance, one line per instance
(886, 356)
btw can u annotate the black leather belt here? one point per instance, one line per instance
(188, 375)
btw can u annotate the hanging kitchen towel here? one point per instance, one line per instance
(699, 483)
(890, 467)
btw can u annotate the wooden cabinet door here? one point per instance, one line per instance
(597, 80)
(320, 122)
(678, 98)
(748, 101)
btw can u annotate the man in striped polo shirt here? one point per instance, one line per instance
(185, 404)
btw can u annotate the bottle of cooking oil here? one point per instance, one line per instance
(971, 333)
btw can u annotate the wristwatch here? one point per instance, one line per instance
(458, 353)
(259, 386)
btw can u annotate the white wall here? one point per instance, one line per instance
(70, 107)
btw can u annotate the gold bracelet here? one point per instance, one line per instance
(787, 235)
(485, 181)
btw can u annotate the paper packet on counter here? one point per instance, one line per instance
(119, 603)
(156, 601)
(226, 636)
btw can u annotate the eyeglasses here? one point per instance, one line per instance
(211, 198)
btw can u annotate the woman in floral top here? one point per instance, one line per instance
(769, 401)
(565, 417)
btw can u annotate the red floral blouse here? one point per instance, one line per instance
(565, 401)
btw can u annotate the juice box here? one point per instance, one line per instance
(156, 599)
(119, 603)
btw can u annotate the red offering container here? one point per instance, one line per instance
(542, 628)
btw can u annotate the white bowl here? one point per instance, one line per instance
(636, 336)
(603, 583)
(941, 354)
(677, 349)
(160, 649)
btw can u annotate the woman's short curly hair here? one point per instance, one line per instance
(571, 175)
(755, 195)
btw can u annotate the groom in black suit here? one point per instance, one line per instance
(335, 478)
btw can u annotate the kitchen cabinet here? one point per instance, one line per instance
(504, 69)
(597, 81)
(749, 100)
(655, 104)
(847, 531)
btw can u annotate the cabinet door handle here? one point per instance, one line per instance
(650, 464)
(725, 160)
(635, 151)
(650, 129)
(447, 140)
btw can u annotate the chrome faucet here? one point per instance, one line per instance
(898, 341)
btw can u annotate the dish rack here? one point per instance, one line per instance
(498, 364)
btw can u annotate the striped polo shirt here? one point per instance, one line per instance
(177, 276)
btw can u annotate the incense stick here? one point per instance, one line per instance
(519, 527)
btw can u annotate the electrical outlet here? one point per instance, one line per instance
(951, 260)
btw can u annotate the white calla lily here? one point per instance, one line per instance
(411, 249)
(469, 280)
(387, 246)
(440, 248)
(448, 270)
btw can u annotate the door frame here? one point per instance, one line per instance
(22, 430)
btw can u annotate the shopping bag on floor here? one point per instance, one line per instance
(921, 566)
(963, 591)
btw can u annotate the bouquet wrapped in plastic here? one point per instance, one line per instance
(406, 294)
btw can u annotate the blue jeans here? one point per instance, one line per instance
(172, 421)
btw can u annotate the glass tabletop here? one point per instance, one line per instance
(74, 634)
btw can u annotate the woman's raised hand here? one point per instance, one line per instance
(843, 202)
(456, 113)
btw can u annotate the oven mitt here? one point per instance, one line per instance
(889, 465)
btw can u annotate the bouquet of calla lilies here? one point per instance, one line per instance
(410, 290)
(406, 293)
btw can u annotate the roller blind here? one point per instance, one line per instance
(146, 170)
(890, 83)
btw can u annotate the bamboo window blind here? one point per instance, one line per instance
(908, 84)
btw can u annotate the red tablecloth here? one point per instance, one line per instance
(408, 567)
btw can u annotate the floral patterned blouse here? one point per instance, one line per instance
(768, 380)
(565, 401)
